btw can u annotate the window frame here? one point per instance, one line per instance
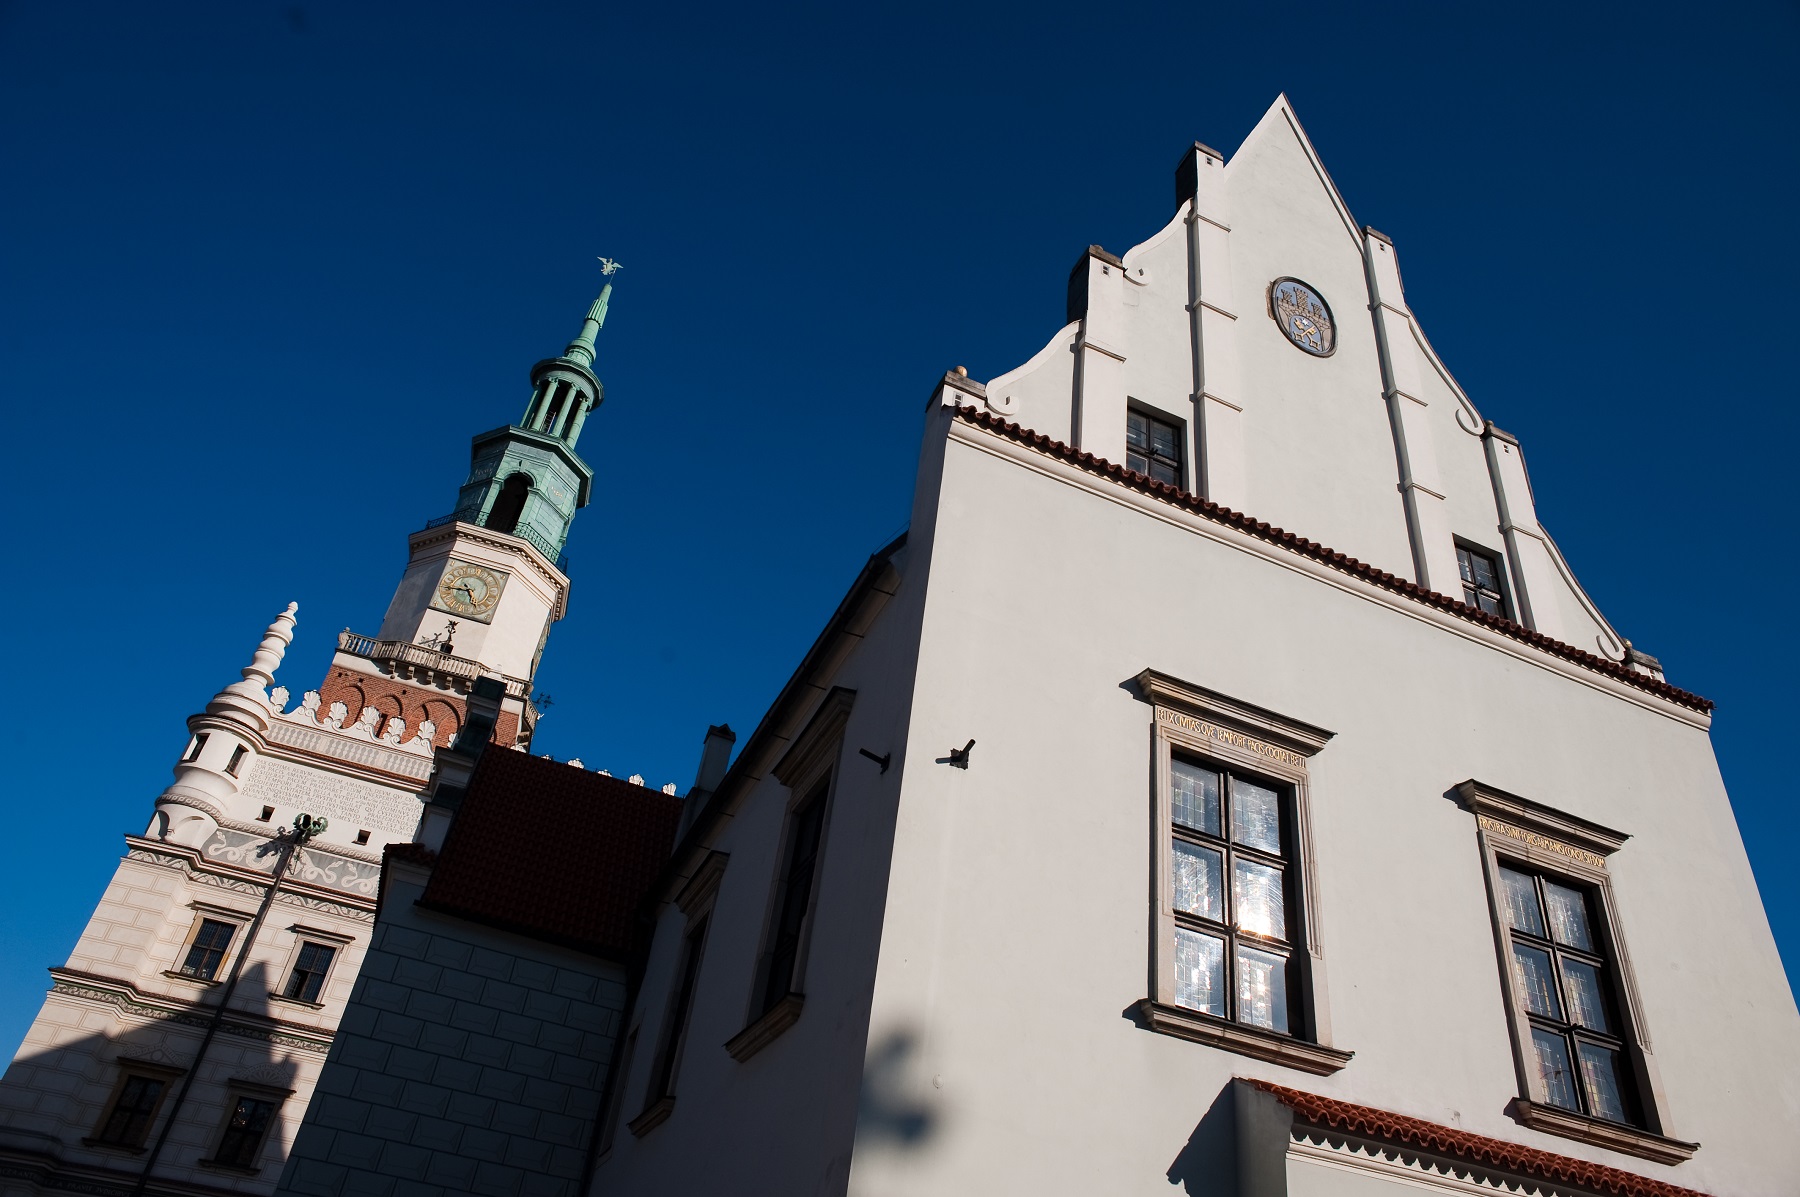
(236, 1092)
(203, 913)
(1502, 579)
(674, 1031)
(810, 772)
(130, 1067)
(303, 935)
(1234, 735)
(1547, 843)
(1182, 446)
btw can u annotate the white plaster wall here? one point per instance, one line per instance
(508, 642)
(783, 1121)
(1015, 936)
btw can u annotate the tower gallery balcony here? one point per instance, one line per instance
(415, 662)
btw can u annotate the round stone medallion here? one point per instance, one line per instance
(1303, 316)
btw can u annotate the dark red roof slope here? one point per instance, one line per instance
(1346, 1118)
(553, 851)
(1318, 552)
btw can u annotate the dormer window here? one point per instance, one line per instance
(1481, 580)
(1153, 447)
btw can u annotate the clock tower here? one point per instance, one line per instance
(484, 583)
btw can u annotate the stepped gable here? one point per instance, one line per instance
(554, 852)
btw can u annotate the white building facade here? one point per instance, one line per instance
(1225, 784)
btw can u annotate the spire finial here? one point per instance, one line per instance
(581, 348)
(250, 697)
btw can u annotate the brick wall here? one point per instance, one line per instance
(415, 704)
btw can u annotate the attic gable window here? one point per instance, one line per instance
(1481, 580)
(1153, 447)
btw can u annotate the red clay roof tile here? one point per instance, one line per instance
(1460, 1144)
(554, 851)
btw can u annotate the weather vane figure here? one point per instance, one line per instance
(608, 266)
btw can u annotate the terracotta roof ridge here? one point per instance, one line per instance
(1340, 561)
(1348, 1117)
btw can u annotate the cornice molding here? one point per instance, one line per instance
(1105, 479)
(457, 530)
(127, 999)
(1523, 818)
(1243, 717)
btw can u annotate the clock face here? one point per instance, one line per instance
(1304, 316)
(469, 590)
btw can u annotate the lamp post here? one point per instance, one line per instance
(305, 828)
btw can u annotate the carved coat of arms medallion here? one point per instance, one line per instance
(1303, 316)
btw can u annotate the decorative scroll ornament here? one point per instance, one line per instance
(1304, 316)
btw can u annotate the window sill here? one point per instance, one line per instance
(1246, 1041)
(1553, 1120)
(288, 1001)
(763, 1031)
(102, 1145)
(203, 982)
(234, 1169)
(654, 1115)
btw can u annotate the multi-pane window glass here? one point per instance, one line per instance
(1153, 447)
(1564, 982)
(128, 1122)
(309, 972)
(244, 1132)
(1233, 926)
(1480, 580)
(207, 951)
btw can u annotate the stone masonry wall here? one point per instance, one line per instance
(469, 1061)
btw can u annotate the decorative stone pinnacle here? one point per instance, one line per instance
(251, 694)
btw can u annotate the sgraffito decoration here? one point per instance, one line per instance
(1303, 316)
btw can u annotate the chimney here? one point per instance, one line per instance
(715, 755)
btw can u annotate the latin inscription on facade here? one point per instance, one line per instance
(343, 800)
(1225, 735)
(1542, 842)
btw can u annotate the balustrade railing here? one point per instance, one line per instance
(524, 532)
(420, 657)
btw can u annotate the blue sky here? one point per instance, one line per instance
(266, 268)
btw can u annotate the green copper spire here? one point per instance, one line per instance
(581, 349)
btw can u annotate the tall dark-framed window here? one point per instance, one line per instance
(1153, 447)
(311, 966)
(245, 1129)
(206, 951)
(1234, 933)
(1566, 987)
(133, 1109)
(674, 1036)
(794, 897)
(1480, 573)
(1585, 1068)
(1237, 962)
